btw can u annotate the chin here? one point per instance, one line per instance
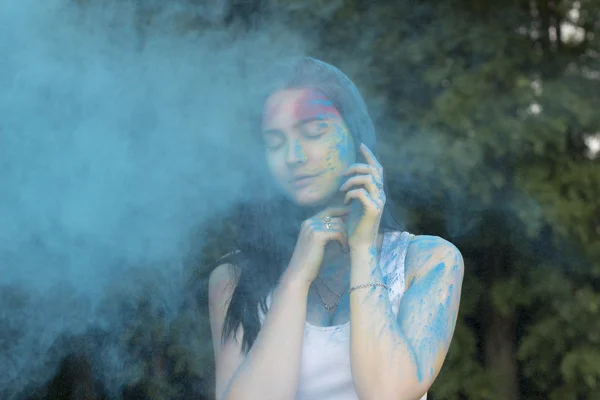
(305, 199)
(309, 203)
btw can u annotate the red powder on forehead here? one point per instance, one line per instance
(314, 104)
(310, 104)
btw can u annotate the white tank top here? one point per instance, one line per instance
(325, 366)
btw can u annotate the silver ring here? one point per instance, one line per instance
(327, 219)
(328, 226)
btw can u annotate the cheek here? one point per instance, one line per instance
(276, 166)
(341, 151)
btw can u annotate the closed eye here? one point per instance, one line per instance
(315, 129)
(273, 139)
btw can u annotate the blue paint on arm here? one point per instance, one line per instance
(431, 329)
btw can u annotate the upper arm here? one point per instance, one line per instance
(228, 354)
(429, 307)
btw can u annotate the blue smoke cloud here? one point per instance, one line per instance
(115, 144)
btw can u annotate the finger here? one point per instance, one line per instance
(364, 169)
(342, 239)
(364, 197)
(333, 212)
(337, 231)
(368, 181)
(369, 156)
(333, 224)
(340, 235)
(319, 224)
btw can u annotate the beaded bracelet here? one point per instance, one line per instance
(364, 285)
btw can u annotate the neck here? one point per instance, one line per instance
(336, 263)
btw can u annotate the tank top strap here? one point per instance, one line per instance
(392, 264)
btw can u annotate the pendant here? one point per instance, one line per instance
(331, 307)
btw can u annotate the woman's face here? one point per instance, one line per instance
(308, 146)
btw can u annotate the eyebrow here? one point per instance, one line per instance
(298, 124)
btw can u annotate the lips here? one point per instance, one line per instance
(303, 180)
(300, 177)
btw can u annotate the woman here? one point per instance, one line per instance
(326, 298)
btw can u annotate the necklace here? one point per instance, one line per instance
(335, 303)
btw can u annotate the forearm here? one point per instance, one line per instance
(272, 367)
(381, 356)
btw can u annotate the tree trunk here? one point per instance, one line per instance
(499, 330)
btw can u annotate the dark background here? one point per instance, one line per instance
(486, 112)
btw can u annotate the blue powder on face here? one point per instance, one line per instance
(326, 103)
(298, 152)
(344, 147)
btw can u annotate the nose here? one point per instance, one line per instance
(295, 154)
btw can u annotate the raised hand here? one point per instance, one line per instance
(315, 233)
(366, 186)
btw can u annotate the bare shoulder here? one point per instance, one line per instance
(226, 270)
(426, 252)
(430, 244)
(222, 282)
(221, 285)
(228, 355)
